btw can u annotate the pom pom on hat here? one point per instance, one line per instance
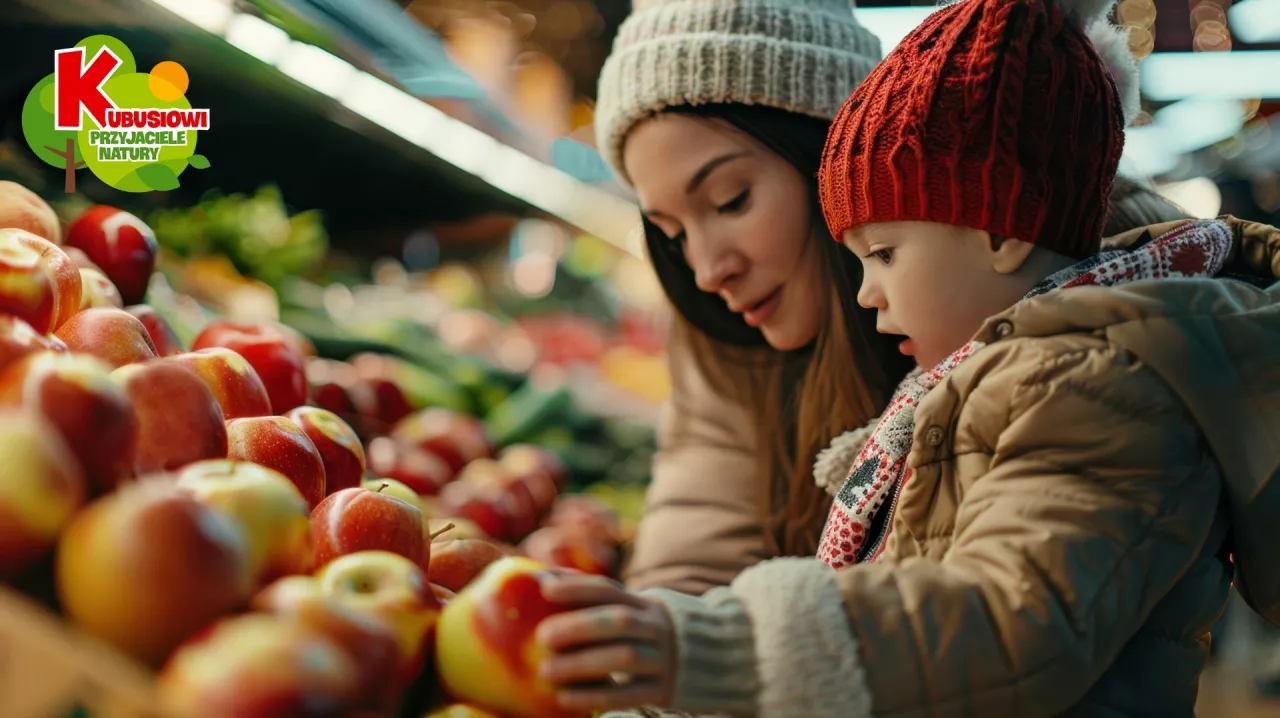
(1112, 44)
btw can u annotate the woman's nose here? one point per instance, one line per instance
(714, 263)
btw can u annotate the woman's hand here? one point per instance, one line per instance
(616, 651)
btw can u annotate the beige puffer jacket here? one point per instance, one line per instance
(1084, 489)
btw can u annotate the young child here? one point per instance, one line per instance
(1047, 518)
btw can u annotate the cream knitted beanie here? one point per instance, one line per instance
(805, 56)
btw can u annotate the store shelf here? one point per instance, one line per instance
(323, 124)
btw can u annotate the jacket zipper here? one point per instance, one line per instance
(874, 551)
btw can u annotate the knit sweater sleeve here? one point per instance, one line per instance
(755, 648)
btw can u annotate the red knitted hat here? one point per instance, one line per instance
(998, 115)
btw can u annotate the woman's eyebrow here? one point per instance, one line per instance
(701, 175)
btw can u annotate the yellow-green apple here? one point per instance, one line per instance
(456, 563)
(179, 421)
(391, 487)
(587, 513)
(270, 351)
(233, 382)
(459, 528)
(113, 335)
(63, 270)
(571, 547)
(98, 291)
(358, 519)
(158, 328)
(27, 286)
(526, 459)
(41, 489)
(340, 449)
(369, 641)
(18, 339)
(420, 470)
(453, 436)
(146, 566)
(121, 244)
(394, 590)
(486, 651)
(20, 208)
(259, 665)
(93, 415)
(273, 514)
(278, 443)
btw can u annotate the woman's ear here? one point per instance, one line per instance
(1008, 255)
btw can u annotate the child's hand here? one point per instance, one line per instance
(616, 652)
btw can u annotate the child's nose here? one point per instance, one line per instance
(870, 296)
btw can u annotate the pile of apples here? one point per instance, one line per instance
(196, 510)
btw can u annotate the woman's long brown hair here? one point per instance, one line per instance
(799, 400)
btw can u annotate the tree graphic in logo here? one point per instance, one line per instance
(135, 131)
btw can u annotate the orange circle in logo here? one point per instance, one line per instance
(168, 81)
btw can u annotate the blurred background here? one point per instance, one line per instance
(418, 178)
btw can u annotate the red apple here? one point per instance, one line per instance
(260, 666)
(18, 339)
(486, 652)
(81, 259)
(358, 519)
(274, 516)
(368, 641)
(455, 437)
(277, 443)
(525, 459)
(20, 208)
(493, 480)
(572, 548)
(121, 244)
(233, 382)
(298, 341)
(491, 511)
(65, 274)
(98, 291)
(93, 415)
(378, 392)
(113, 335)
(420, 470)
(28, 289)
(148, 565)
(391, 589)
(456, 563)
(330, 383)
(268, 349)
(587, 513)
(158, 328)
(179, 421)
(42, 489)
(340, 448)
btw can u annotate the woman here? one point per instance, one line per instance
(716, 114)
(751, 405)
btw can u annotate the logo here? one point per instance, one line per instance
(133, 130)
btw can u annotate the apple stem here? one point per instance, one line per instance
(443, 530)
(382, 486)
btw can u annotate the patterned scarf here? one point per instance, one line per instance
(1193, 249)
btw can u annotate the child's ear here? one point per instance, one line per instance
(1009, 254)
